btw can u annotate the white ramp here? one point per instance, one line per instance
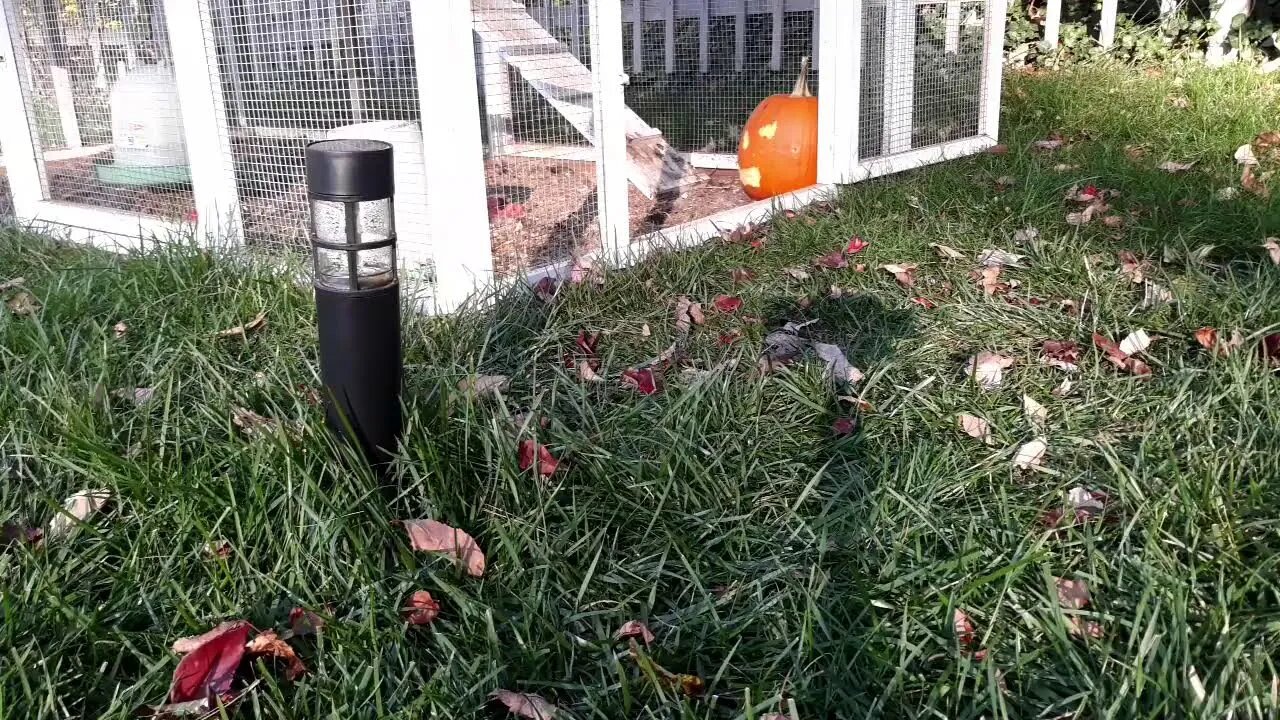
(507, 31)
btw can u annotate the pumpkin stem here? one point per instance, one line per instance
(802, 82)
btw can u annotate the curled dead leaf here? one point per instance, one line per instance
(975, 427)
(251, 423)
(76, 509)
(855, 245)
(741, 275)
(1072, 594)
(1272, 246)
(1037, 414)
(304, 622)
(946, 251)
(634, 629)
(987, 368)
(269, 644)
(688, 314)
(834, 260)
(533, 454)
(258, 322)
(484, 385)
(120, 329)
(643, 380)
(1030, 456)
(434, 536)
(1209, 340)
(587, 374)
(1173, 167)
(420, 609)
(546, 289)
(23, 304)
(904, 273)
(210, 662)
(845, 426)
(526, 705)
(727, 303)
(795, 273)
(1061, 354)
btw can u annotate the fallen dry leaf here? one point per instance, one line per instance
(1132, 266)
(645, 331)
(975, 427)
(795, 273)
(1031, 455)
(526, 705)
(304, 622)
(924, 302)
(1025, 235)
(856, 245)
(120, 329)
(1135, 342)
(1083, 196)
(728, 338)
(998, 149)
(947, 251)
(995, 257)
(1113, 221)
(1154, 295)
(845, 426)
(435, 536)
(634, 629)
(905, 273)
(987, 368)
(484, 385)
(531, 453)
(1037, 414)
(269, 644)
(989, 280)
(1063, 389)
(1173, 167)
(1180, 102)
(1072, 594)
(7, 285)
(1004, 182)
(209, 666)
(741, 275)
(688, 314)
(1209, 340)
(643, 380)
(1049, 144)
(727, 303)
(588, 374)
(546, 289)
(1086, 216)
(1256, 183)
(23, 303)
(585, 270)
(965, 634)
(1061, 354)
(421, 608)
(834, 260)
(251, 423)
(138, 396)
(258, 322)
(1272, 246)
(838, 366)
(75, 510)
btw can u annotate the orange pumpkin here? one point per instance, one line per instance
(778, 152)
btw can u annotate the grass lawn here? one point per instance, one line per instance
(795, 571)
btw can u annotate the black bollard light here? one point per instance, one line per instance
(350, 184)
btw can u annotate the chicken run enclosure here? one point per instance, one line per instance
(527, 135)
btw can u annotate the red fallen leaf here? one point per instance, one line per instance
(729, 338)
(756, 245)
(1061, 354)
(304, 622)
(855, 246)
(269, 644)
(634, 629)
(209, 667)
(925, 303)
(998, 149)
(728, 303)
(421, 609)
(642, 380)
(966, 635)
(500, 207)
(587, 342)
(546, 463)
(832, 261)
(1111, 349)
(435, 536)
(546, 288)
(741, 275)
(844, 427)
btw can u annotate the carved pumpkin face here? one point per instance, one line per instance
(778, 151)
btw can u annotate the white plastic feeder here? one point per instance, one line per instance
(405, 138)
(146, 130)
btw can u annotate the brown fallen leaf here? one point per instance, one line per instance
(220, 548)
(531, 453)
(1086, 216)
(1255, 182)
(987, 368)
(643, 380)
(1154, 295)
(546, 289)
(741, 275)
(947, 252)
(7, 285)
(76, 509)
(251, 423)
(22, 304)
(635, 629)
(1072, 594)
(1121, 354)
(484, 385)
(1180, 102)
(269, 644)
(526, 705)
(1061, 354)
(1272, 246)
(904, 273)
(587, 374)
(688, 314)
(998, 149)
(138, 396)
(1132, 267)
(1209, 340)
(258, 322)
(304, 622)
(975, 427)
(1049, 144)
(989, 280)
(435, 536)
(795, 273)
(1174, 167)
(421, 608)
(1030, 456)
(120, 329)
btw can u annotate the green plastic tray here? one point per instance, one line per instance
(135, 176)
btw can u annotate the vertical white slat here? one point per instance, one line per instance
(993, 69)
(66, 105)
(637, 36)
(775, 52)
(129, 18)
(610, 115)
(453, 154)
(222, 8)
(704, 37)
(815, 31)
(1107, 23)
(351, 42)
(204, 125)
(669, 34)
(840, 81)
(951, 39)
(740, 36)
(1052, 24)
(899, 76)
(575, 27)
(20, 144)
(495, 79)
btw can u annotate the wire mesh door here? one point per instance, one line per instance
(294, 71)
(101, 94)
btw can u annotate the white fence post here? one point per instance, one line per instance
(899, 76)
(66, 106)
(20, 146)
(993, 70)
(1052, 24)
(669, 35)
(637, 36)
(453, 154)
(609, 110)
(1107, 23)
(204, 122)
(840, 83)
(740, 36)
(704, 38)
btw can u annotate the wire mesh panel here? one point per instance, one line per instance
(99, 87)
(294, 71)
(537, 95)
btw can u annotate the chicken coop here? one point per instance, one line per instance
(528, 135)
